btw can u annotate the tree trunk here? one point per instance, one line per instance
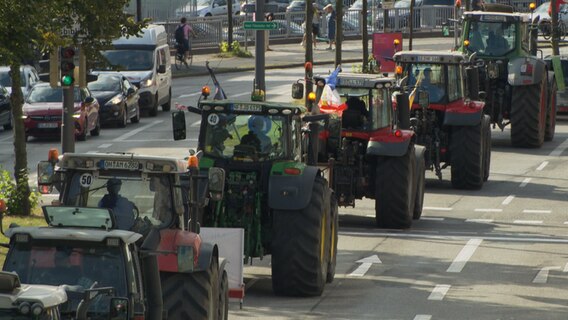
(21, 161)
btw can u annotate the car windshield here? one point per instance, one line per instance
(105, 84)
(79, 264)
(40, 94)
(128, 60)
(245, 137)
(491, 38)
(6, 80)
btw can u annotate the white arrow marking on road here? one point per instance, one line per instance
(365, 265)
(542, 275)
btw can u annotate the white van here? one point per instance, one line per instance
(145, 61)
(207, 8)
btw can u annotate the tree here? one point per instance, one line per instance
(31, 28)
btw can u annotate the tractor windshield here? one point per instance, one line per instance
(428, 77)
(491, 38)
(245, 137)
(150, 198)
(374, 105)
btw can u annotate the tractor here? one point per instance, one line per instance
(446, 114)
(519, 88)
(273, 191)
(370, 146)
(130, 221)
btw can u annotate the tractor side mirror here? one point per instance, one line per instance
(216, 183)
(178, 125)
(45, 173)
(472, 76)
(118, 308)
(297, 90)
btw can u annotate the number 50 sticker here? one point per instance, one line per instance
(86, 180)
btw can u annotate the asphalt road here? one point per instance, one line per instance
(496, 253)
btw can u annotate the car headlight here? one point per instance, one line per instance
(77, 115)
(25, 116)
(146, 83)
(115, 100)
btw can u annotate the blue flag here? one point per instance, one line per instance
(331, 81)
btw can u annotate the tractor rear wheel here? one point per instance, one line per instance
(394, 190)
(551, 113)
(193, 295)
(223, 297)
(420, 179)
(466, 156)
(528, 115)
(486, 129)
(299, 259)
(333, 235)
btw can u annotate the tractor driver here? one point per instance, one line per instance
(124, 210)
(435, 93)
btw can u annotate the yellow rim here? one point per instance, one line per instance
(322, 242)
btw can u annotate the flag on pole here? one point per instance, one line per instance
(219, 93)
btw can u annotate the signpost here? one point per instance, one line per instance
(260, 25)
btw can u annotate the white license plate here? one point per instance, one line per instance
(117, 164)
(45, 125)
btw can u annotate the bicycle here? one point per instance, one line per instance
(546, 29)
(180, 59)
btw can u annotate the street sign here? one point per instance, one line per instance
(260, 25)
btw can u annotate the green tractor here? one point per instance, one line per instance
(274, 189)
(519, 88)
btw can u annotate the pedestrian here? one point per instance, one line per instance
(187, 32)
(269, 17)
(315, 27)
(330, 25)
(478, 5)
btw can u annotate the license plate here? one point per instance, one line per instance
(45, 125)
(114, 164)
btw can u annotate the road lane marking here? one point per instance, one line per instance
(239, 94)
(525, 182)
(536, 211)
(542, 165)
(158, 140)
(437, 208)
(104, 145)
(423, 317)
(479, 220)
(432, 218)
(7, 138)
(365, 265)
(196, 124)
(514, 237)
(133, 132)
(542, 275)
(508, 200)
(565, 267)
(439, 292)
(189, 95)
(488, 210)
(465, 254)
(560, 149)
(528, 221)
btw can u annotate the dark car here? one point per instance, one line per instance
(43, 111)
(118, 99)
(5, 110)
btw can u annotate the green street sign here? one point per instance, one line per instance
(260, 25)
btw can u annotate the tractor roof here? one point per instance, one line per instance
(437, 57)
(121, 161)
(359, 80)
(76, 234)
(496, 16)
(251, 107)
(12, 293)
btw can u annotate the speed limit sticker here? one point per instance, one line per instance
(213, 119)
(86, 180)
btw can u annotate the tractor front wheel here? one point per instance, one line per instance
(466, 156)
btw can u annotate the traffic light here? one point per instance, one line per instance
(67, 59)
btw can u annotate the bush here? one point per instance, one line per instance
(236, 50)
(13, 195)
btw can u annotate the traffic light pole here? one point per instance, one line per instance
(68, 126)
(259, 70)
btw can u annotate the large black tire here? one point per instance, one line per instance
(154, 110)
(299, 259)
(466, 156)
(420, 186)
(486, 128)
(394, 190)
(551, 113)
(528, 115)
(191, 296)
(168, 105)
(223, 313)
(333, 234)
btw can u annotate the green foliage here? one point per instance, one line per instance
(234, 51)
(13, 194)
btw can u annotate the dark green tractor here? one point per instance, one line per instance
(274, 190)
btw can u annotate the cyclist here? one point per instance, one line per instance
(183, 32)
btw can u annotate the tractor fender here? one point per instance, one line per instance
(469, 113)
(390, 145)
(207, 253)
(291, 192)
(526, 71)
(170, 239)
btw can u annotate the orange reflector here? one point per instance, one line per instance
(308, 66)
(292, 171)
(205, 91)
(466, 43)
(396, 42)
(398, 133)
(398, 70)
(532, 5)
(2, 206)
(44, 189)
(192, 162)
(312, 96)
(52, 155)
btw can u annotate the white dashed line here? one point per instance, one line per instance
(463, 257)
(565, 268)
(7, 138)
(196, 124)
(488, 210)
(525, 182)
(439, 292)
(560, 149)
(92, 151)
(432, 218)
(536, 211)
(479, 220)
(240, 94)
(542, 275)
(508, 200)
(423, 317)
(136, 131)
(105, 145)
(190, 95)
(437, 209)
(542, 165)
(528, 221)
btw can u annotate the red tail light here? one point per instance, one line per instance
(398, 133)
(292, 171)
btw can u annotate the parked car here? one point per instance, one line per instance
(28, 76)
(280, 5)
(118, 99)
(43, 111)
(208, 8)
(5, 109)
(561, 96)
